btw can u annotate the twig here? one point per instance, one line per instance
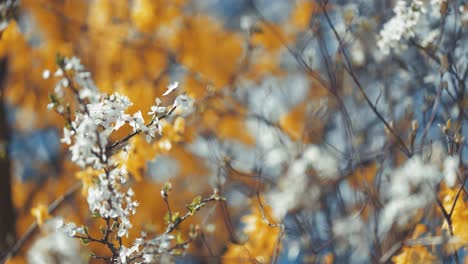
(274, 258)
(34, 226)
(349, 69)
(178, 221)
(128, 137)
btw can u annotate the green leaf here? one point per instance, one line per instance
(167, 187)
(60, 60)
(166, 218)
(179, 239)
(84, 241)
(114, 225)
(103, 230)
(53, 98)
(190, 208)
(95, 215)
(197, 200)
(175, 217)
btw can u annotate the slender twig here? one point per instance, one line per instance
(34, 226)
(312, 73)
(434, 112)
(128, 137)
(178, 221)
(274, 258)
(351, 72)
(448, 219)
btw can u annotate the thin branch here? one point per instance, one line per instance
(274, 258)
(351, 72)
(34, 226)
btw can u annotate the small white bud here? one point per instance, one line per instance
(45, 74)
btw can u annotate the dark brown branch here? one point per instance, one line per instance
(7, 217)
(34, 226)
(351, 72)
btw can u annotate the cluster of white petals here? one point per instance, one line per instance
(56, 245)
(100, 115)
(411, 188)
(295, 188)
(96, 117)
(106, 199)
(401, 26)
(451, 164)
(352, 233)
(70, 229)
(147, 249)
(436, 7)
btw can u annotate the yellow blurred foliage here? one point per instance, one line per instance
(459, 219)
(417, 253)
(262, 239)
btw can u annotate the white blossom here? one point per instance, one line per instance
(106, 199)
(435, 7)
(97, 116)
(45, 74)
(451, 164)
(86, 148)
(67, 134)
(126, 253)
(247, 22)
(162, 242)
(322, 161)
(351, 232)
(184, 103)
(110, 112)
(54, 246)
(138, 123)
(151, 132)
(157, 109)
(401, 27)
(70, 229)
(58, 73)
(295, 189)
(148, 258)
(171, 87)
(411, 188)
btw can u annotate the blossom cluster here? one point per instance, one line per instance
(401, 26)
(296, 187)
(410, 189)
(346, 173)
(100, 114)
(96, 117)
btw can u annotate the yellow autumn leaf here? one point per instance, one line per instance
(459, 216)
(233, 127)
(302, 14)
(261, 242)
(300, 124)
(41, 213)
(212, 51)
(415, 255)
(88, 178)
(363, 176)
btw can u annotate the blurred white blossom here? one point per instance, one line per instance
(401, 27)
(352, 234)
(411, 187)
(451, 164)
(88, 133)
(54, 247)
(171, 87)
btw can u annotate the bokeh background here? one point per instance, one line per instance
(306, 115)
